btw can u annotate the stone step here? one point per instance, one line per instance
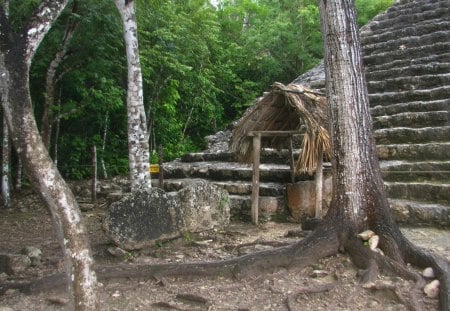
(268, 155)
(383, 58)
(424, 28)
(403, 83)
(431, 68)
(403, 7)
(404, 135)
(222, 171)
(405, 42)
(389, 98)
(414, 152)
(208, 156)
(235, 187)
(375, 63)
(401, 17)
(415, 106)
(270, 208)
(419, 213)
(419, 191)
(402, 171)
(412, 119)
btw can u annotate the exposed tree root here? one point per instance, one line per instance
(322, 242)
(409, 300)
(421, 258)
(371, 262)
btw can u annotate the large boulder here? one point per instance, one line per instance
(143, 218)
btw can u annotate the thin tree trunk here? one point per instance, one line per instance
(105, 132)
(19, 173)
(16, 53)
(6, 151)
(94, 175)
(58, 124)
(138, 144)
(48, 117)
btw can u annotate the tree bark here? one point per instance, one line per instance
(138, 139)
(16, 53)
(359, 200)
(6, 151)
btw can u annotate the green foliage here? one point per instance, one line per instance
(202, 67)
(367, 9)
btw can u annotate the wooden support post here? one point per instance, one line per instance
(291, 160)
(160, 164)
(94, 175)
(319, 183)
(255, 179)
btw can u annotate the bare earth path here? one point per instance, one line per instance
(330, 284)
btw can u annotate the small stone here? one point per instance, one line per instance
(318, 273)
(373, 241)
(365, 235)
(58, 300)
(428, 273)
(117, 252)
(432, 289)
(34, 253)
(372, 304)
(3, 277)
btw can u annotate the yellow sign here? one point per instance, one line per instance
(154, 168)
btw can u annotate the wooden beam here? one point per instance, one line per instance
(255, 178)
(274, 133)
(291, 159)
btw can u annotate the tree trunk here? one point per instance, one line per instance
(17, 51)
(6, 150)
(359, 200)
(138, 143)
(105, 132)
(48, 117)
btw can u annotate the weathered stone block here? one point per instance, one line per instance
(146, 217)
(302, 198)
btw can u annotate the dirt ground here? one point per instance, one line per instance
(330, 284)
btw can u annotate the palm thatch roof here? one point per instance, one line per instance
(286, 108)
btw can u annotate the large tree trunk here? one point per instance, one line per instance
(16, 53)
(359, 199)
(358, 188)
(138, 144)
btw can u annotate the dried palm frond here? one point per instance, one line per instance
(286, 108)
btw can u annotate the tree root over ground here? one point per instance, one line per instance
(323, 242)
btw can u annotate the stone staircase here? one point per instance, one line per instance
(407, 58)
(218, 166)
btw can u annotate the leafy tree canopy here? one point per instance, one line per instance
(203, 65)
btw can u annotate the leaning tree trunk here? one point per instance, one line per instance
(138, 145)
(16, 53)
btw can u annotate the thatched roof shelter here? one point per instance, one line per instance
(291, 108)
